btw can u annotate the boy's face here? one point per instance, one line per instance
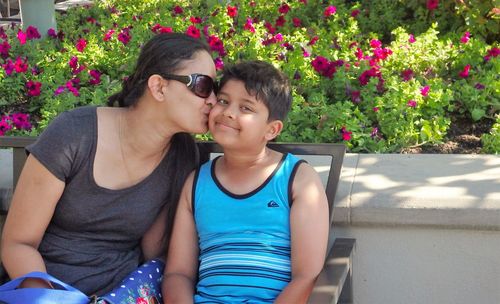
(239, 119)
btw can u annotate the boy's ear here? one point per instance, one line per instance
(155, 85)
(274, 129)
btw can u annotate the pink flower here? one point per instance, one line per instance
(193, 31)
(4, 49)
(359, 53)
(356, 97)
(319, 63)
(178, 10)
(364, 78)
(8, 67)
(354, 13)
(346, 135)
(96, 77)
(249, 25)
(407, 74)
(330, 10)
(296, 22)
(73, 62)
(465, 38)
(280, 21)
(32, 33)
(313, 40)
(411, 39)
(269, 27)
(375, 109)
(59, 90)
(4, 125)
(232, 11)
(21, 36)
(432, 4)
(284, 8)
(195, 20)
(72, 85)
(374, 43)
(494, 52)
(33, 88)
(425, 91)
(465, 72)
(216, 45)
(80, 45)
(52, 33)
(412, 103)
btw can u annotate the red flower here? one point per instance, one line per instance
(178, 10)
(195, 20)
(249, 25)
(359, 53)
(124, 36)
(193, 31)
(108, 35)
(494, 52)
(32, 33)
(412, 103)
(4, 49)
(319, 63)
(465, 72)
(269, 27)
(346, 135)
(232, 11)
(296, 22)
(407, 74)
(33, 88)
(354, 13)
(330, 10)
(280, 21)
(432, 4)
(284, 8)
(81, 44)
(216, 45)
(21, 36)
(356, 97)
(313, 40)
(96, 77)
(20, 65)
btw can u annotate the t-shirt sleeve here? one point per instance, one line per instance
(56, 147)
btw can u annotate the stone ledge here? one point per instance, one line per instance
(432, 190)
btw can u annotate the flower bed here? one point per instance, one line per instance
(377, 84)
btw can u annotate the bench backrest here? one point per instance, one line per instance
(334, 151)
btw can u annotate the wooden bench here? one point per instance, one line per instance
(334, 284)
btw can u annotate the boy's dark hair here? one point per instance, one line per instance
(265, 82)
(164, 53)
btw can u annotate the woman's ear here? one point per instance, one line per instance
(273, 129)
(156, 86)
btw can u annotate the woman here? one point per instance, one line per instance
(99, 189)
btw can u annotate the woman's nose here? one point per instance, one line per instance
(211, 100)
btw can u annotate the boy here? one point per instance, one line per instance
(251, 225)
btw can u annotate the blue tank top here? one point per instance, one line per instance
(244, 240)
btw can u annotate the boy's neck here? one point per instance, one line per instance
(244, 159)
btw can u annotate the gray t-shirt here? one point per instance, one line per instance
(93, 239)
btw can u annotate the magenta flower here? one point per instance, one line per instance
(73, 62)
(355, 12)
(374, 43)
(465, 38)
(412, 103)
(479, 86)
(249, 25)
(216, 45)
(432, 4)
(4, 49)
(465, 72)
(21, 36)
(425, 91)
(32, 33)
(381, 53)
(359, 53)
(269, 27)
(280, 21)
(364, 78)
(59, 90)
(411, 39)
(319, 63)
(232, 11)
(284, 8)
(4, 125)
(8, 67)
(33, 88)
(219, 63)
(72, 86)
(96, 77)
(92, 20)
(375, 109)
(195, 20)
(330, 10)
(356, 97)
(178, 10)
(346, 135)
(21, 121)
(20, 65)
(374, 132)
(52, 33)
(80, 45)
(124, 36)
(193, 31)
(494, 52)
(407, 74)
(108, 35)
(296, 22)
(313, 40)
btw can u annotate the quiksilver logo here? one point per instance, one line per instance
(272, 204)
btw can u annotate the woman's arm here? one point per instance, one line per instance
(181, 270)
(309, 234)
(152, 241)
(31, 210)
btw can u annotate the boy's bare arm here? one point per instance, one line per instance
(309, 234)
(182, 260)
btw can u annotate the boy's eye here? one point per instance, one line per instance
(247, 109)
(222, 101)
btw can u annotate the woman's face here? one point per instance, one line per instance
(186, 109)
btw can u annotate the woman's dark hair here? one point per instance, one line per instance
(164, 53)
(263, 81)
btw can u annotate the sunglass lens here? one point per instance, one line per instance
(204, 85)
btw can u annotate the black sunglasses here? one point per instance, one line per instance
(201, 85)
